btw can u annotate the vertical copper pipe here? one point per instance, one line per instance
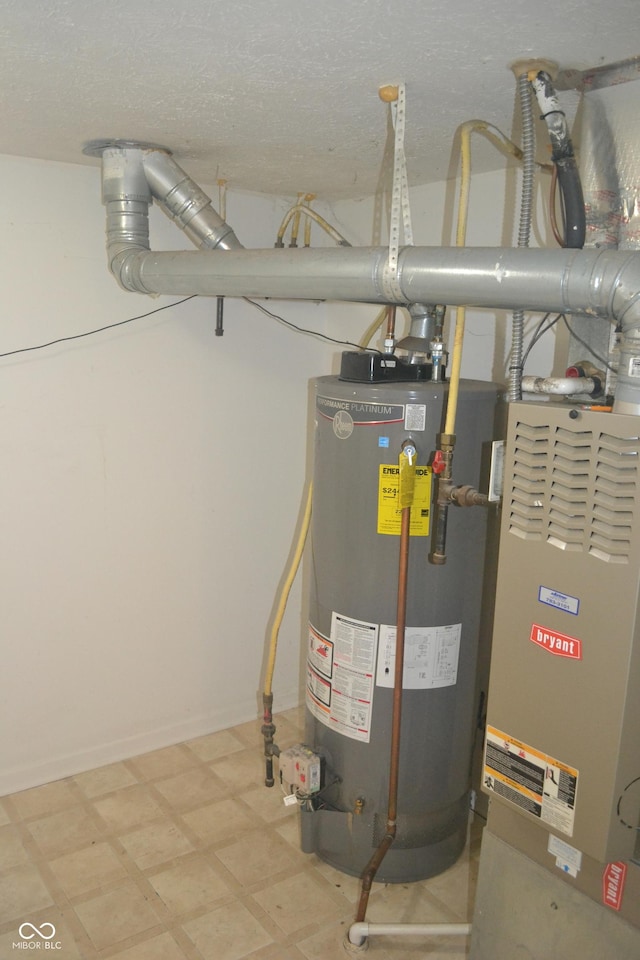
(403, 569)
(394, 764)
(391, 322)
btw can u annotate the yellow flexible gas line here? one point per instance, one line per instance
(307, 224)
(461, 236)
(295, 226)
(498, 138)
(501, 141)
(301, 208)
(284, 595)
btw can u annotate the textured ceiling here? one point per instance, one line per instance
(280, 96)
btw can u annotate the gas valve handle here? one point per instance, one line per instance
(438, 464)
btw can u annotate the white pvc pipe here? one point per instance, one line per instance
(559, 386)
(358, 932)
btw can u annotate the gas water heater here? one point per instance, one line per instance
(360, 429)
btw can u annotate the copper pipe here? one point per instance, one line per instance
(394, 764)
(391, 322)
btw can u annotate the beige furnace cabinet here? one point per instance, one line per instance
(562, 748)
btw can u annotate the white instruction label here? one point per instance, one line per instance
(340, 676)
(537, 783)
(568, 859)
(354, 642)
(430, 656)
(415, 416)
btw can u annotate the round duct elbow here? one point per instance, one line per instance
(127, 240)
(124, 264)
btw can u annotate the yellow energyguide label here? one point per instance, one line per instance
(389, 509)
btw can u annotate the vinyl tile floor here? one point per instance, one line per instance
(183, 854)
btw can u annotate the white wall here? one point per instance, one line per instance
(150, 485)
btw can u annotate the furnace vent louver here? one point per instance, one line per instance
(615, 490)
(529, 480)
(574, 489)
(569, 501)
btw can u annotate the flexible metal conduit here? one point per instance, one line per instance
(603, 283)
(524, 229)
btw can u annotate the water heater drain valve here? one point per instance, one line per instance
(300, 770)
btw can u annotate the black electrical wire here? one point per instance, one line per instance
(541, 329)
(539, 332)
(311, 333)
(624, 823)
(586, 345)
(177, 303)
(90, 333)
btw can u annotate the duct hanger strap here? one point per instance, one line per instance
(399, 201)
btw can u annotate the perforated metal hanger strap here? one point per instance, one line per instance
(399, 201)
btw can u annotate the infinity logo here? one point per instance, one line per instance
(37, 931)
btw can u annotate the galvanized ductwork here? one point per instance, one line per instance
(597, 283)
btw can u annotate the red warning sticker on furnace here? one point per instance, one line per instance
(557, 643)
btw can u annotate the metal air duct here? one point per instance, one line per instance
(598, 283)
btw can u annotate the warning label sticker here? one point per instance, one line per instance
(319, 690)
(340, 672)
(535, 782)
(320, 653)
(389, 512)
(430, 656)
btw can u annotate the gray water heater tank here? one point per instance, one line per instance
(352, 615)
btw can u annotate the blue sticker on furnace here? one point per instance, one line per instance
(561, 601)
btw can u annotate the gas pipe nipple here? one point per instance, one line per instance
(467, 496)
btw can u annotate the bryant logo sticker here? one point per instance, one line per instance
(613, 884)
(556, 643)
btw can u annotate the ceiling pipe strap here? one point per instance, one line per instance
(399, 201)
